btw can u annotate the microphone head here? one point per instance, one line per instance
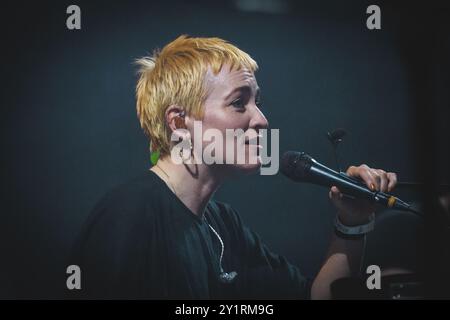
(295, 165)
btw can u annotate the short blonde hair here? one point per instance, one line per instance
(175, 76)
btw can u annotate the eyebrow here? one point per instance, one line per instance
(243, 88)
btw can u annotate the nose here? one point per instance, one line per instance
(258, 120)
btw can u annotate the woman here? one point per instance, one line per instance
(161, 235)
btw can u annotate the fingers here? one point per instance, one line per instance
(392, 181)
(335, 194)
(336, 198)
(351, 207)
(383, 180)
(375, 179)
(364, 172)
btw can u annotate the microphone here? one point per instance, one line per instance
(300, 167)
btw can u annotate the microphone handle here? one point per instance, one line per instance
(354, 188)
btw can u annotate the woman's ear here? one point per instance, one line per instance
(175, 118)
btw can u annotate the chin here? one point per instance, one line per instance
(241, 169)
(248, 169)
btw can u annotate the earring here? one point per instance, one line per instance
(190, 152)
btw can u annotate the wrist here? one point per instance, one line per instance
(355, 231)
(352, 220)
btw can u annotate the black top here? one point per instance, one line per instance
(141, 241)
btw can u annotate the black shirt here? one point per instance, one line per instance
(141, 241)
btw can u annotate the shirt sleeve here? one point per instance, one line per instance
(268, 274)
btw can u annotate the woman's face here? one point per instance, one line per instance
(232, 103)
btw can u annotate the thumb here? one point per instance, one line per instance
(336, 198)
(335, 194)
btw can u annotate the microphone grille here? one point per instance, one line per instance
(295, 165)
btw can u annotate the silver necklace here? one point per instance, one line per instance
(224, 277)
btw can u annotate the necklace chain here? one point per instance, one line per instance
(221, 244)
(168, 179)
(224, 276)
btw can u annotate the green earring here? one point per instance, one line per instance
(154, 156)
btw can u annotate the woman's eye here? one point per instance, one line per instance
(238, 103)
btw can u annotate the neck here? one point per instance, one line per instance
(193, 184)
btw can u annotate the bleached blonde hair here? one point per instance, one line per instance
(175, 75)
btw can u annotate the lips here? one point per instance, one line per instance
(253, 141)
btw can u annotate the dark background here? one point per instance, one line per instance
(70, 131)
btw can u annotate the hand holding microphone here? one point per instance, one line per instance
(366, 186)
(357, 211)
